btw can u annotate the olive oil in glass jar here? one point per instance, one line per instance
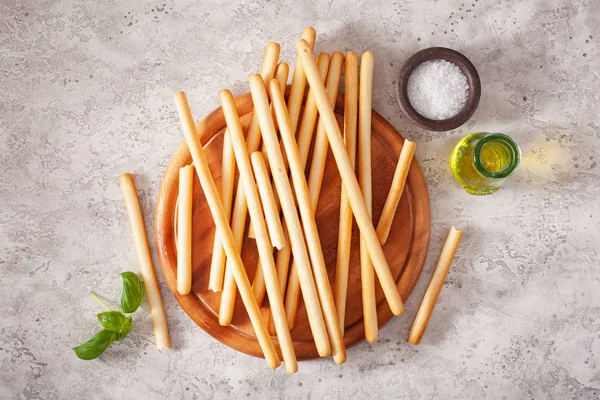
(481, 161)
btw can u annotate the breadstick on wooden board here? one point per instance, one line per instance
(258, 284)
(305, 133)
(342, 265)
(359, 208)
(296, 96)
(393, 198)
(319, 157)
(224, 231)
(267, 197)
(367, 274)
(435, 286)
(290, 213)
(184, 229)
(310, 225)
(217, 266)
(315, 177)
(281, 74)
(217, 263)
(240, 208)
(282, 265)
(309, 115)
(263, 243)
(155, 303)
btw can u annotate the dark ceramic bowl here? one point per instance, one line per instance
(437, 53)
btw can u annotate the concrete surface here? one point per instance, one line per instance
(86, 93)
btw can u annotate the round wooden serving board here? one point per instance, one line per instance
(405, 249)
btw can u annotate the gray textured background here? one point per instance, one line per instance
(86, 93)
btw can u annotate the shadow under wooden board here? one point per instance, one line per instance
(405, 249)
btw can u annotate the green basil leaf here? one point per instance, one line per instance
(96, 345)
(133, 292)
(112, 320)
(126, 328)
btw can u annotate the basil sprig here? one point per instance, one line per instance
(115, 323)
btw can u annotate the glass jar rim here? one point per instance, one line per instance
(513, 148)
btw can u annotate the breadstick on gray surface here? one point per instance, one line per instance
(435, 286)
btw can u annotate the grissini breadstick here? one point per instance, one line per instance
(217, 262)
(184, 229)
(319, 157)
(345, 227)
(309, 223)
(224, 231)
(240, 208)
(305, 133)
(296, 95)
(393, 198)
(282, 184)
(155, 304)
(435, 286)
(258, 285)
(361, 214)
(367, 274)
(267, 197)
(281, 74)
(309, 115)
(265, 248)
(315, 177)
(282, 272)
(282, 266)
(227, 181)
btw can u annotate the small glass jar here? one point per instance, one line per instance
(481, 161)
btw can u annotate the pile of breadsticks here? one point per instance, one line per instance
(276, 122)
(271, 159)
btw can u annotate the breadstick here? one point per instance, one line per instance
(263, 243)
(393, 198)
(224, 231)
(296, 96)
(227, 181)
(217, 262)
(315, 178)
(305, 133)
(309, 115)
(435, 286)
(345, 227)
(267, 197)
(282, 184)
(281, 74)
(136, 220)
(258, 285)
(361, 214)
(319, 157)
(367, 274)
(282, 273)
(184, 229)
(309, 223)
(240, 208)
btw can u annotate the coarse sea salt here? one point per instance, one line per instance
(437, 89)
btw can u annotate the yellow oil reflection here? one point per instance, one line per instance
(543, 157)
